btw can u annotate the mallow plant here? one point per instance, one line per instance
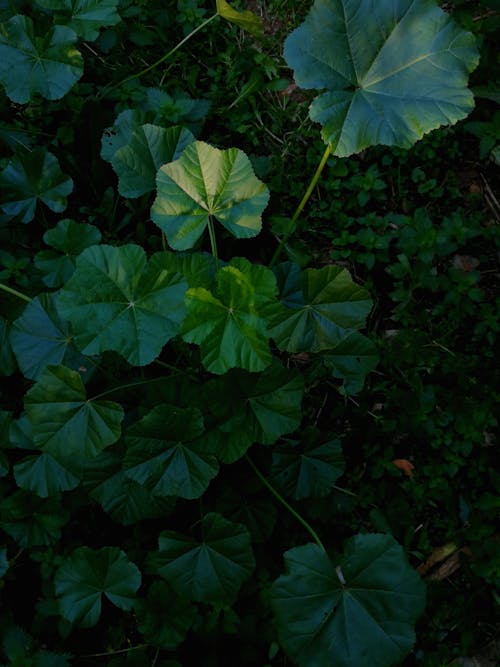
(152, 380)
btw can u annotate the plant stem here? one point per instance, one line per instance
(107, 653)
(179, 371)
(124, 386)
(164, 57)
(19, 295)
(280, 498)
(213, 241)
(303, 202)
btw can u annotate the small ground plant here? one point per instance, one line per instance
(176, 365)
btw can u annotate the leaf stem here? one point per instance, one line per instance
(124, 386)
(213, 241)
(107, 653)
(280, 498)
(163, 58)
(19, 295)
(302, 203)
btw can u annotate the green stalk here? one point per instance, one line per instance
(19, 295)
(213, 241)
(280, 498)
(124, 386)
(163, 58)
(303, 202)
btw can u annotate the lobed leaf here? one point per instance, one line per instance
(85, 17)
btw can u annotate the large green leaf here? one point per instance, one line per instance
(116, 300)
(88, 574)
(85, 17)
(309, 469)
(69, 238)
(47, 64)
(43, 475)
(31, 521)
(39, 338)
(164, 455)
(33, 176)
(356, 613)
(207, 182)
(163, 617)
(137, 162)
(229, 324)
(65, 422)
(391, 70)
(322, 308)
(121, 132)
(249, 408)
(209, 570)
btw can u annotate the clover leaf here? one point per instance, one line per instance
(116, 300)
(205, 183)
(65, 422)
(359, 612)
(211, 569)
(48, 64)
(88, 574)
(163, 453)
(85, 17)
(322, 308)
(33, 176)
(392, 71)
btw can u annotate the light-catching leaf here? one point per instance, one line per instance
(207, 182)
(116, 300)
(229, 324)
(244, 19)
(69, 238)
(209, 570)
(39, 338)
(67, 424)
(392, 70)
(85, 17)
(250, 408)
(47, 64)
(164, 618)
(351, 360)
(137, 162)
(309, 469)
(357, 613)
(163, 453)
(33, 176)
(323, 307)
(88, 574)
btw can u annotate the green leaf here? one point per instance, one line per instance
(139, 305)
(49, 659)
(245, 19)
(351, 360)
(252, 408)
(44, 476)
(70, 238)
(322, 308)
(4, 563)
(121, 132)
(162, 456)
(47, 64)
(392, 71)
(33, 176)
(308, 470)
(209, 570)
(7, 359)
(228, 324)
(137, 162)
(85, 17)
(88, 574)
(39, 338)
(204, 182)
(163, 617)
(66, 423)
(127, 502)
(30, 521)
(360, 612)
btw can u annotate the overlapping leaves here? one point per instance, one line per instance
(85, 17)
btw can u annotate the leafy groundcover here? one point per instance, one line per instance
(183, 370)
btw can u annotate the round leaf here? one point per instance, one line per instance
(209, 570)
(33, 176)
(48, 64)
(392, 71)
(44, 476)
(204, 182)
(88, 574)
(115, 300)
(360, 612)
